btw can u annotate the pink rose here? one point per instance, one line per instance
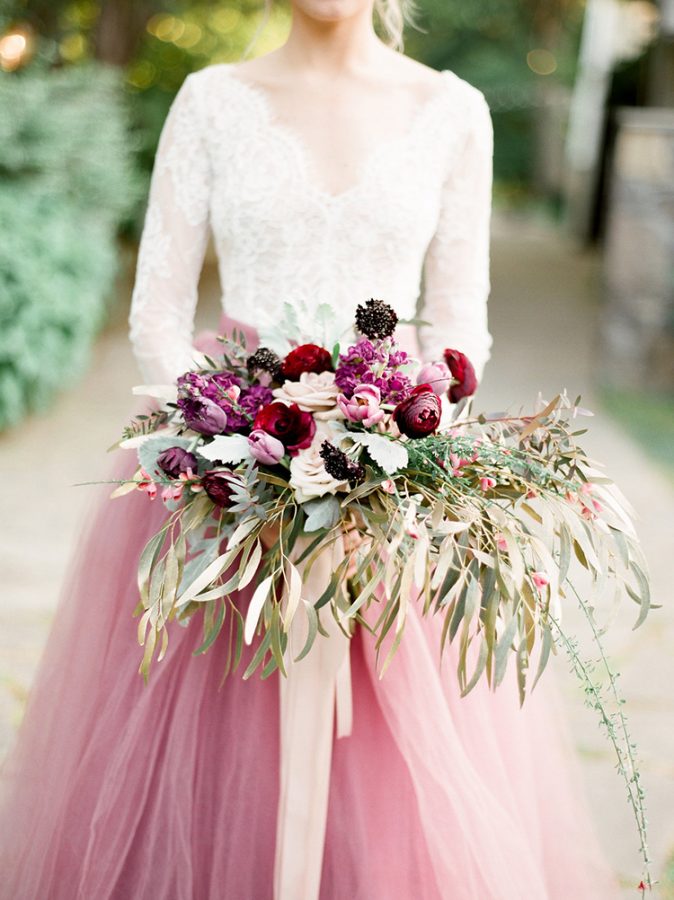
(265, 448)
(436, 374)
(363, 405)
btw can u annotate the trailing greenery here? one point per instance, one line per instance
(67, 180)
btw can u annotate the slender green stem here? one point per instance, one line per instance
(627, 764)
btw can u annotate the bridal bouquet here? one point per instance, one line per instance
(476, 517)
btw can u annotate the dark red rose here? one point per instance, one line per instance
(291, 425)
(464, 373)
(419, 414)
(218, 486)
(306, 358)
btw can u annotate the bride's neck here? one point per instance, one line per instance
(330, 48)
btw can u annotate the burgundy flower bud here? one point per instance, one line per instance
(419, 414)
(291, 425)
(218, 486)
(176, 460)
(306, 358)
(464, 373)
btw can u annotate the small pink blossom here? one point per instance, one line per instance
(412, 530)
(363, 405)
(147, 485)
(487, 482)
(540, 579)
(458, 462)
(189, 479)
(388, 486)
(233, 392)
(501, 542)
(172, 492)
(437, 375)
(588, 489)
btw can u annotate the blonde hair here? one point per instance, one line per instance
(392, 15)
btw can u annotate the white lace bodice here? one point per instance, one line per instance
(412, 229)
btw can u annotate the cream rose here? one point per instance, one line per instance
(308, 477)
(315, 392)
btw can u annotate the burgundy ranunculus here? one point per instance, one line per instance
(419, 414)
(462, 369)
(291, 425)
(306, 358)
(219, 488)
(176, 460)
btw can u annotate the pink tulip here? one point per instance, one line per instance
(363, 405)
(436, 374)
(265, 448)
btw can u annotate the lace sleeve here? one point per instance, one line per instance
(456, 278)
(172, 246)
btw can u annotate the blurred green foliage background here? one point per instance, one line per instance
(85, 86)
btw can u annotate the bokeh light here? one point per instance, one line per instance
(16, 48)
(541, 61)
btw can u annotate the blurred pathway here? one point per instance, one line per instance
(543, 312)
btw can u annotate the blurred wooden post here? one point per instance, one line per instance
(120, 28)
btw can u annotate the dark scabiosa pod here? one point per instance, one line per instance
(418, 415)
(338, 464)
(265, 360)
(376, 319)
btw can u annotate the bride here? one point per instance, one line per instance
(330, 170)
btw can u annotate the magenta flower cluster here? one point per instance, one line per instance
(216, 403)
(375, 362)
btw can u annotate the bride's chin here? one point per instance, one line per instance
(331, 10)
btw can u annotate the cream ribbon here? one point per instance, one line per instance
(308, 695)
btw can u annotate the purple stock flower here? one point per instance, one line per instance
(176, 460)
(200, 396)
(376, 363)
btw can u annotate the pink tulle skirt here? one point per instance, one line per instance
(117, 789)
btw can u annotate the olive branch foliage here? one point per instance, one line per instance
(485, 526)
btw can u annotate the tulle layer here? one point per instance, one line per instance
(117, 789)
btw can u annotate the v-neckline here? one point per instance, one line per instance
(297, 145)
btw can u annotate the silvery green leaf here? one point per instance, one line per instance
(150, 449)
(228, 448)
(391, 455)
(323, 513)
